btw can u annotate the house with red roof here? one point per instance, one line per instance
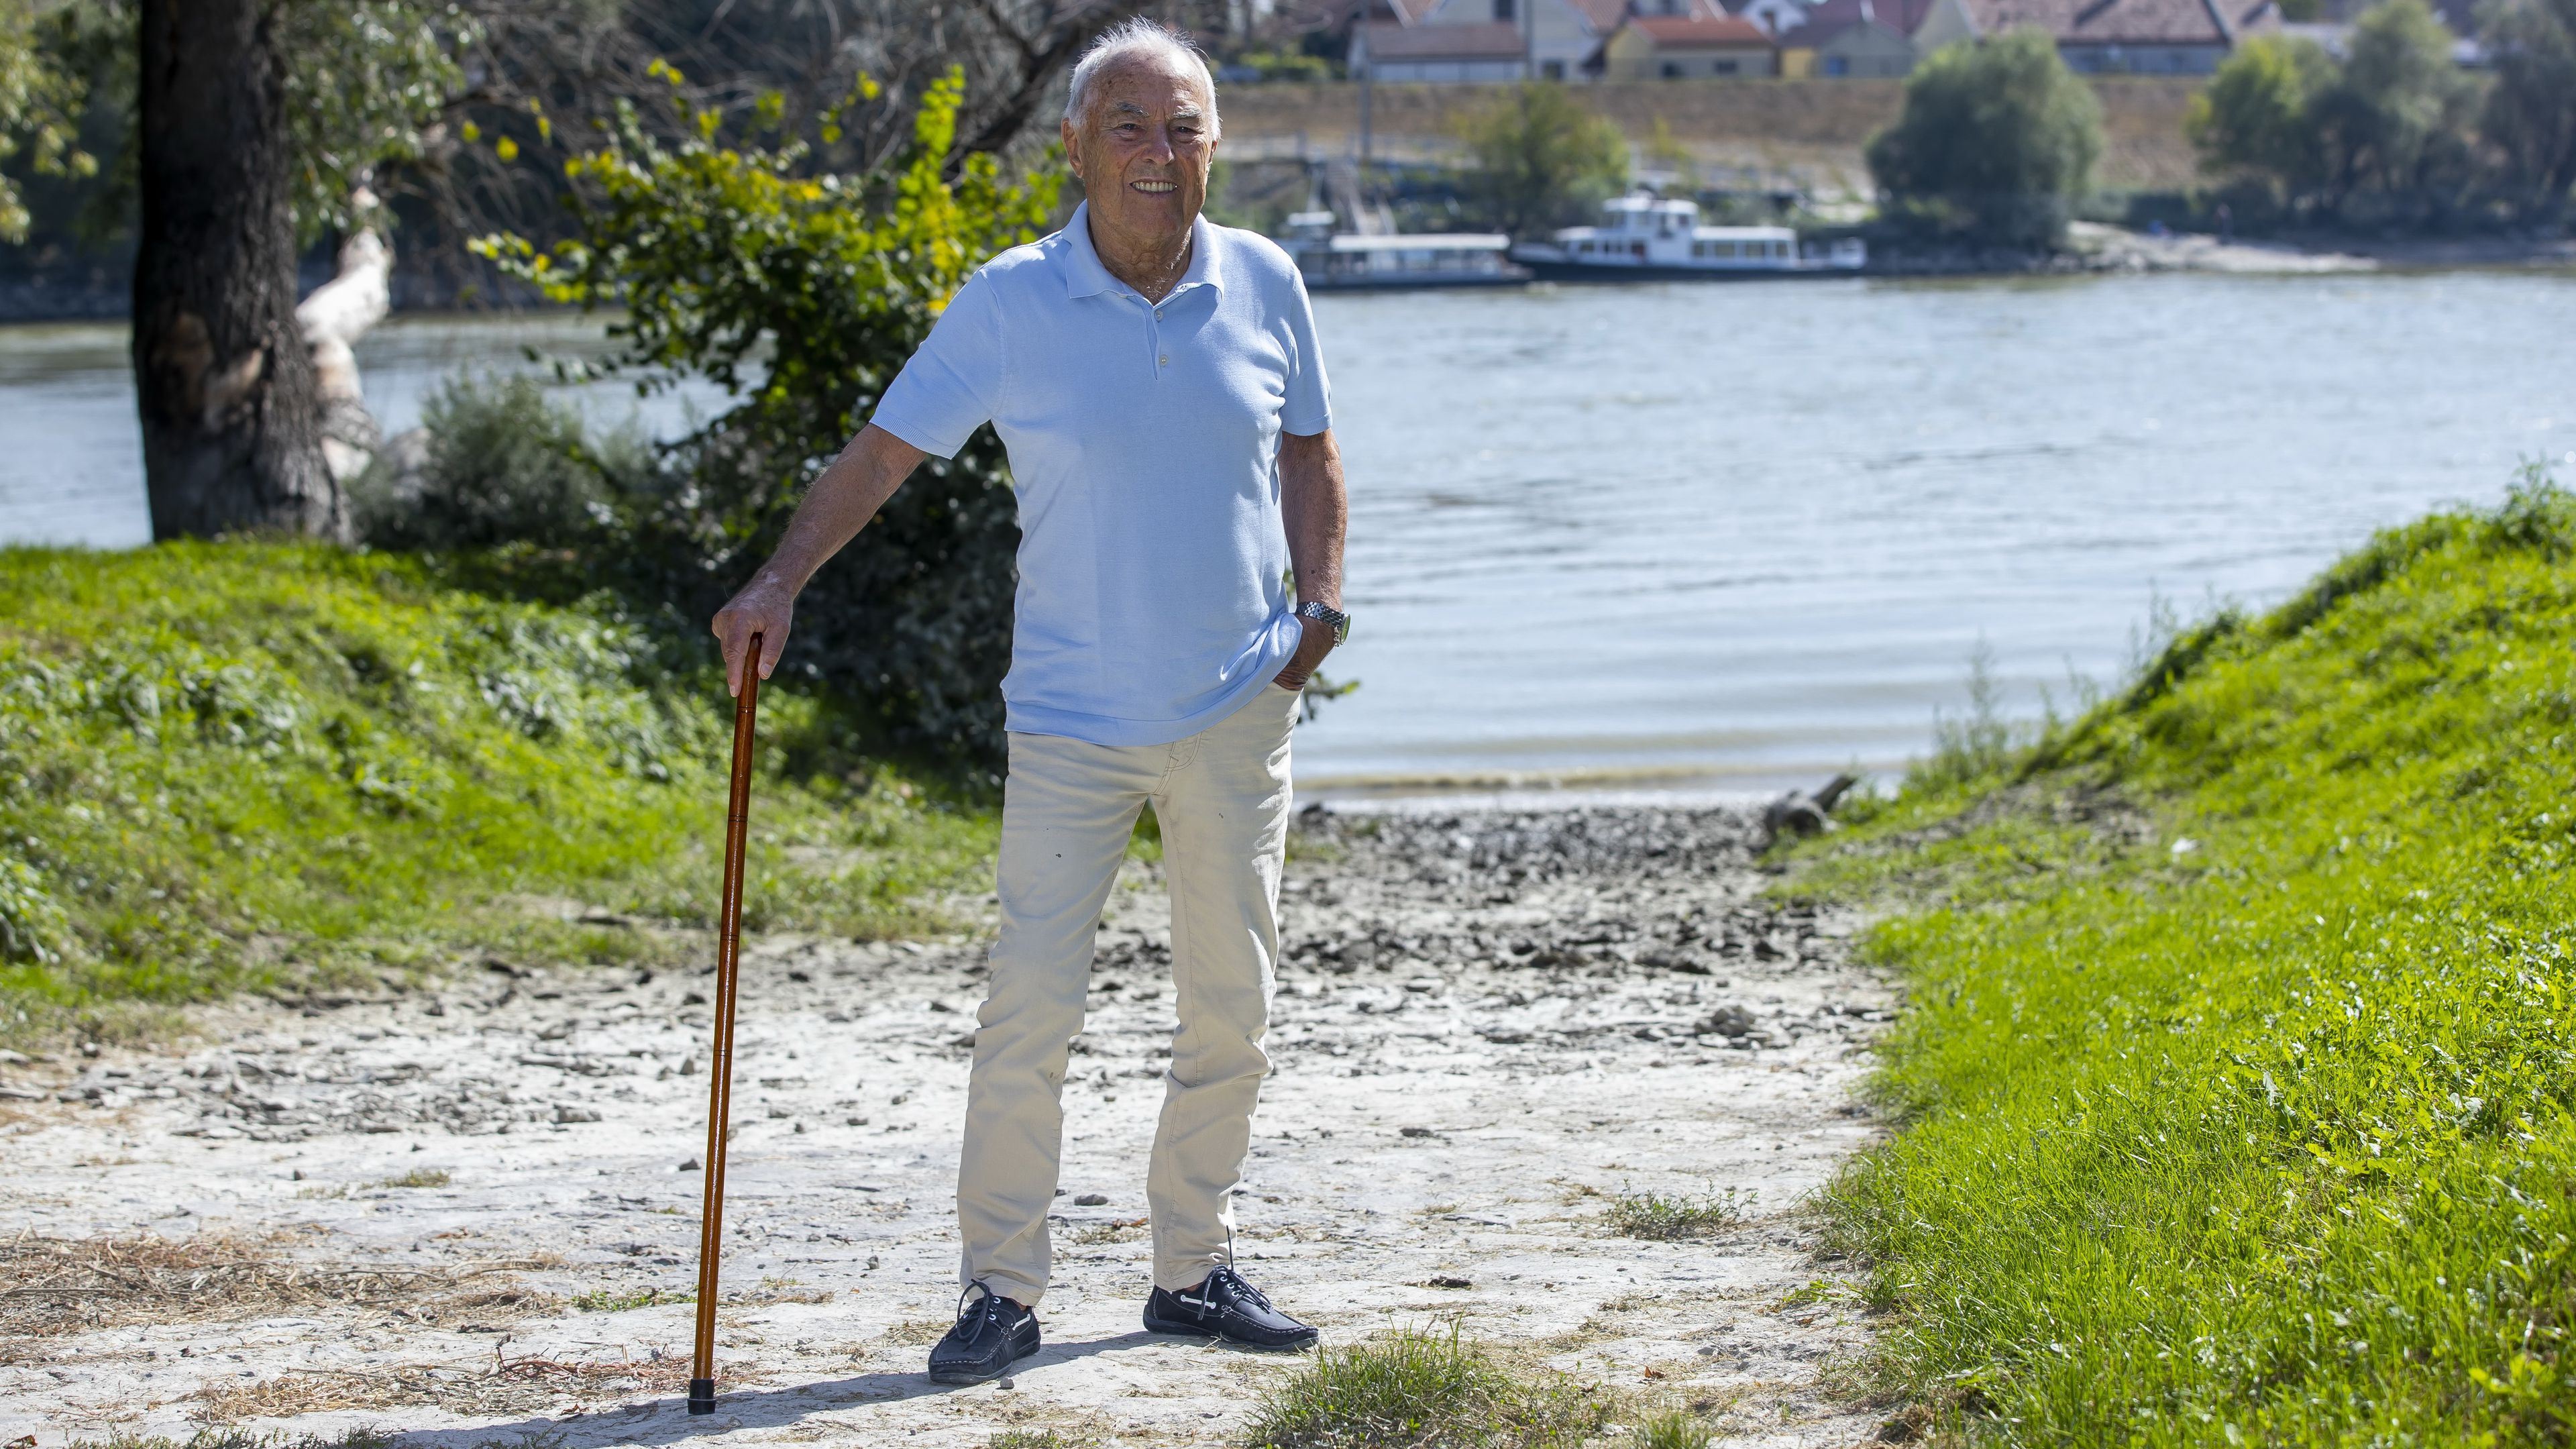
(1696, 47)
(1482, 40)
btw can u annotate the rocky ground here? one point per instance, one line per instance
(470, 1215)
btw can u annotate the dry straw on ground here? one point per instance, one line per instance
(513, 1386)
(75, 1285)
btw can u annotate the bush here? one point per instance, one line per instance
(2530, 115)
(1996, 141)
(1540, 159)
(496, 463)
(2383, 133)
(802, 295)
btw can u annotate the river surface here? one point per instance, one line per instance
(1712, 538)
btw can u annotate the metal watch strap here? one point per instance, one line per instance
(1328, 616)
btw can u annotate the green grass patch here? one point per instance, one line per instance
(604, 1301)
(1423, 1390)
(2236, 1073)
(1655, 1216)
(241, 765)
(1675, 1429)
(419, 1177)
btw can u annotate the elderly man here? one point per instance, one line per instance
(1157, 382)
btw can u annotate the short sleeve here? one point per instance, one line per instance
(1308, 409)
(953, 384)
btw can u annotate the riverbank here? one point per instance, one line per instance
(1564, 1079)
(2234, 1085)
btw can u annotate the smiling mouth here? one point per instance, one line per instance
(1155, 188)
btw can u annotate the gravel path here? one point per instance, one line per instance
(432, 1213)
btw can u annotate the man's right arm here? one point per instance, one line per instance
(842, 500)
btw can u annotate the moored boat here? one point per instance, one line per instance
(1346, 261)
(1643, 239)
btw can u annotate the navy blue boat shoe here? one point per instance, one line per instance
(1226, 1307)
(992, 1333)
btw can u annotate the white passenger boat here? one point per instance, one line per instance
(1333, 261)
(1641, 238)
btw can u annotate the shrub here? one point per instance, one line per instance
(2389, 123)
(1539, 159)
(2530, 115)
(1997, 140)
(498, 463)
(802, 295)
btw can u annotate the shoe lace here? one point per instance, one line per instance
(1231, 1284)
(986, 1307)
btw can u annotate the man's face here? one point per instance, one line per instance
(1142, 147)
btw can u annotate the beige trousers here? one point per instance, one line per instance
(1068, 809)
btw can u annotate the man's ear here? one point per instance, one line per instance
(1072, 153)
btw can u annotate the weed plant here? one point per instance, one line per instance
(247, 765)
(606, 1301)
(1653, 1216)
(2237, 1071)
(419, 1177)
(1421, 1390)
(1677, 1429)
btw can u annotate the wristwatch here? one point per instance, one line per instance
(1328, 616)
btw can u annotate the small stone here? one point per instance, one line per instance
(690, 1165)
(1416, 1131)
(1092, 1199)
(576, 1114)
(1008, 1384)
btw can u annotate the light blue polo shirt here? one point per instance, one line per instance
(1144, 447)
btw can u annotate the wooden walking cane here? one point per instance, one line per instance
(746, 709)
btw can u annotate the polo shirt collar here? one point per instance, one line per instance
(1085, 275)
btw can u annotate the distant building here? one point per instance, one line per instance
(1392, 51)
(1702, 48)
(1857, 39)
(1776, 17)
(1480, 40)
(1491, 40)
(2111, 37)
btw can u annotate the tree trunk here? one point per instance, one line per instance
(232, 417)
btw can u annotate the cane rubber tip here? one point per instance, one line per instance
(702, 1396)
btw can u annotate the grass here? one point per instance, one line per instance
(1653, 1216)
(1674, 1430)
(284, 766)
(605, 1301)
(419, 1177)
(1422, 1390)
(242, 1439)
(2236, 1076)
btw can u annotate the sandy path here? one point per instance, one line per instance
(1488, 1024)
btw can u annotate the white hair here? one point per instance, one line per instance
(1130, 39)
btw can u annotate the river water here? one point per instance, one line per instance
(1714, 538)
